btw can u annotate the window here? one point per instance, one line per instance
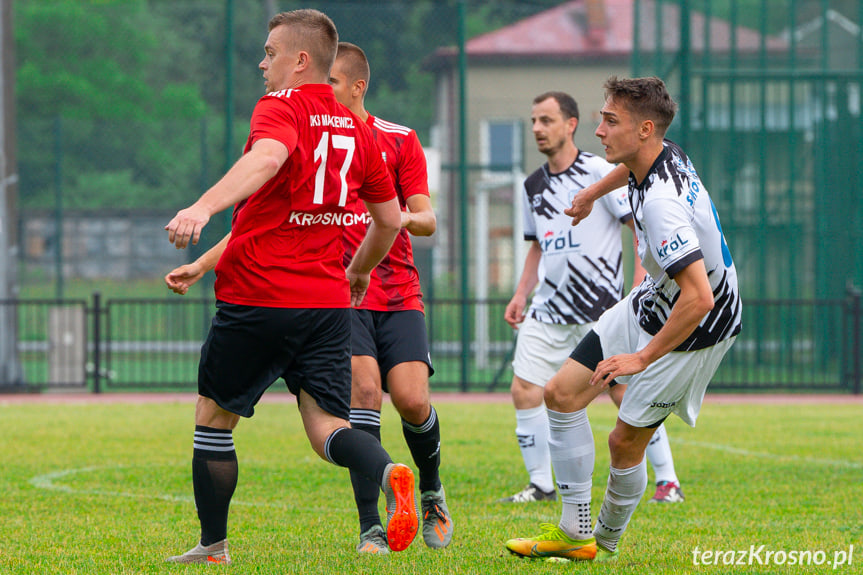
(500, 148)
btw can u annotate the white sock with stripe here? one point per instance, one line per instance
(660, 458)
(570, 442)
(532, 433)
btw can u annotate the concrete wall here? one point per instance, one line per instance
(501, 92)
(100, 245)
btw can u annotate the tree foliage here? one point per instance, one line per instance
(96, 89)
(130, 94)
(104, 59)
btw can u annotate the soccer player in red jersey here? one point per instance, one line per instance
(389, 340)
(283, 293)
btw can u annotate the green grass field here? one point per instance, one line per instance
(106, 489)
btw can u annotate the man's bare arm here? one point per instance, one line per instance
(582, 203)
(252, 170)
(385, 226)
(420, 219)
(185, 276)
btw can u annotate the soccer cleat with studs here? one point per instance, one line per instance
(216, 554)
(603, 555)
(553, 543)
(530, 493)
(437, 522)
(402, 520)
(667, 492)
(373, 541)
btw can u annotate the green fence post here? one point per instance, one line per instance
(855, 305)
(229, 98)
(636, 40)
(97, 342)
(685, 71)
(58, 206)
(463, 199)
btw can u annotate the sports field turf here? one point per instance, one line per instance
(106, 489)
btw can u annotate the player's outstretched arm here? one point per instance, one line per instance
(244, 178)
(582, 203)
(420, 219)
(385, 226)
(179, 280)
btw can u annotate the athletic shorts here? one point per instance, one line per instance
(249, 348)
(675, 383)
(391, 337)
(541, 348)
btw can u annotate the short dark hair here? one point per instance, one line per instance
(568, 105)
(355, 64)
(647, 98)
(312, 31)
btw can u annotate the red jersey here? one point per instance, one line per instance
(395, 283)
(286, 248)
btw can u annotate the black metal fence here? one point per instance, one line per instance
(153, 344)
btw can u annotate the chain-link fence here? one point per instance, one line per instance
(128, 111)
(770, 97)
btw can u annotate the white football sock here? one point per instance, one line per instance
(570, 442)
(532, 432)
(659, 456)
(624, 491)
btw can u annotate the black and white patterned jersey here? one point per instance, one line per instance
(677, 224)
(580, 271)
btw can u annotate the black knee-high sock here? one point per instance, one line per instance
(424, 443)
(214, 476)
(366, 491)
(358, 451)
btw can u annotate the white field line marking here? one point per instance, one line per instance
(48, 481)
(761, 454)
(774, 456)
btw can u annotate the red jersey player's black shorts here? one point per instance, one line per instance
(248, 348)
(391, 337)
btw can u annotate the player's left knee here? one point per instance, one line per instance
(625, 447)
(366, 399)
(415, 410)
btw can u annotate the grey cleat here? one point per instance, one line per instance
(437, 522)
(373, 541)
(217, 553)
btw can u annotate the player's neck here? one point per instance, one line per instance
(641, 162)
(561, 160)
(307, 76)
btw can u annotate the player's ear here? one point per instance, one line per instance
(303, 60)
(359, 88)
(646, 129)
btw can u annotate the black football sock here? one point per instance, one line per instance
(214, 477)
(366, 492)
(358, 451)
(424, 444)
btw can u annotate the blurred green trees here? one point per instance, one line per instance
(121, 102)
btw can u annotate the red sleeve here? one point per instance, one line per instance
(412, 170)
(377, 186)
(274, 119)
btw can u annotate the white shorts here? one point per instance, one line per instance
(675, 383)
(541, 348)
